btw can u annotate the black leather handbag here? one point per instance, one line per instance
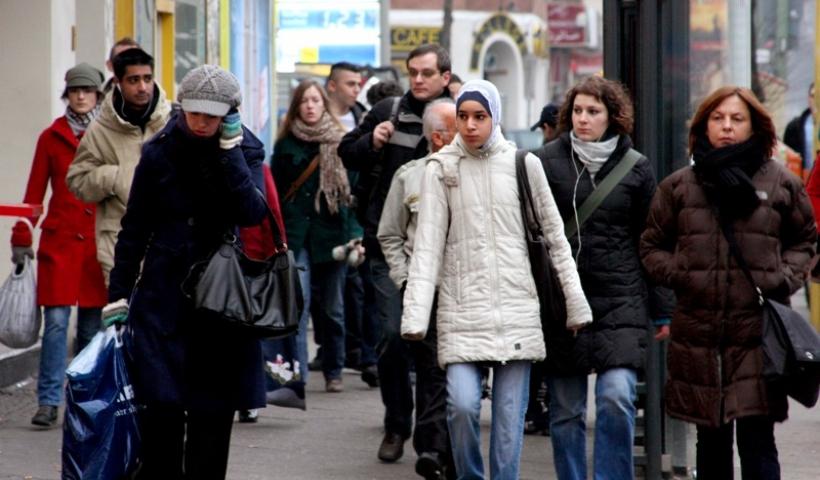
(791, 346)
(263, 298)
(550, 295)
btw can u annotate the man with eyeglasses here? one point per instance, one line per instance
(390, 136)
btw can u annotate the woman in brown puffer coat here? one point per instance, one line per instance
(715, 354)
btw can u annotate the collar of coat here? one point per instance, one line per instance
(110, 119)
(450, 156)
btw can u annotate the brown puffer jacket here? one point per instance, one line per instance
(715, 354)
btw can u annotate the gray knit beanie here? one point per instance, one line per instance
(209, 89)
(83, 75)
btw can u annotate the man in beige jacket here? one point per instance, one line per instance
(104, 165)
(397, 229)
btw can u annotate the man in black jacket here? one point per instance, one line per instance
(390, 136)
(799, 134)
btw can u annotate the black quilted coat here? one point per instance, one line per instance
(622, 299)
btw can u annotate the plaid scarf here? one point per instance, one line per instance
(79, 122)
(333, 182)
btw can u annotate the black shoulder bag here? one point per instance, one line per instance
(548, 286)
(791, 346)
(263, 298)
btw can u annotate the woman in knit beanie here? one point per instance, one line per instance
(197, 179)
(67, 270)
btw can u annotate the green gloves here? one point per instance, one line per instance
(231, 134)
(116, 312)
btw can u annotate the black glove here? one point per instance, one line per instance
(19, 254)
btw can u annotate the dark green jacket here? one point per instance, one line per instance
(319, 231)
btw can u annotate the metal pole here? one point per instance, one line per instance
(648, 109)
(384, 20)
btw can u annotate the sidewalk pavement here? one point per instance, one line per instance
(337, 438)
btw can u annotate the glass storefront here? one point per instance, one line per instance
(191, 36)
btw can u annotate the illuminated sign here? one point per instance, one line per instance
(327, 31)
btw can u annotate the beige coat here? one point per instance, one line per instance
(471, 235)
(103, 168)
(397, 227)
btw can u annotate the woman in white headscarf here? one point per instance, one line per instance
(471, 235)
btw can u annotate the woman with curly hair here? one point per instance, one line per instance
(595, 123)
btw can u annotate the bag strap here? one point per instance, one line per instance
(306, 173)
(602, 191)
(532, 224)
(729, 233)
(394, 110)
(375, 171)
(281, 246)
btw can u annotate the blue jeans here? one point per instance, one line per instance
(511, 385)
(370, 328)
(293, 347)
(394, 354)
(614, 425)
(55, 349)
(329, 280)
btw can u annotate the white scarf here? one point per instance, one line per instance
(593, 154)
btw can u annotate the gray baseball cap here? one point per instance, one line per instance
(209, 89)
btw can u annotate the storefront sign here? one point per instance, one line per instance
(327, 31)
(501, 23)
(567, 25)
(405, 39)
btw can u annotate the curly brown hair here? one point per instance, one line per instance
(609, 92)
(762, 125)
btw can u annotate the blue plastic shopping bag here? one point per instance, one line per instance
(100, 433)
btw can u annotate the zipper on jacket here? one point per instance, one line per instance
(493, 257)
(721, 331)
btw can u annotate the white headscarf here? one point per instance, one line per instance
(490, 94)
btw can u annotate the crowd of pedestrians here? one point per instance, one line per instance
(406, 226)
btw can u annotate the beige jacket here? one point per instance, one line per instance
(103, 169)
(397, 226)
(470, 234)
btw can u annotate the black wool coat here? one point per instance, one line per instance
(623, 301)
(186, 194)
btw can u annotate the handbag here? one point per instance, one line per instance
(791, 346)
(261, 297)
(20, 317)
(547, 285)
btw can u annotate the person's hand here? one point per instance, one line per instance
(576, 328)
(382, 134)
(661, 328)
(115, 312)
(19, 254)
(231, 134)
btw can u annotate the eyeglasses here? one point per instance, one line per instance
(426, 73)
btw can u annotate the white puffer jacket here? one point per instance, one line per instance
(470, 230)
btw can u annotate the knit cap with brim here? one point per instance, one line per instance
(83, 75)
(209, 89)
